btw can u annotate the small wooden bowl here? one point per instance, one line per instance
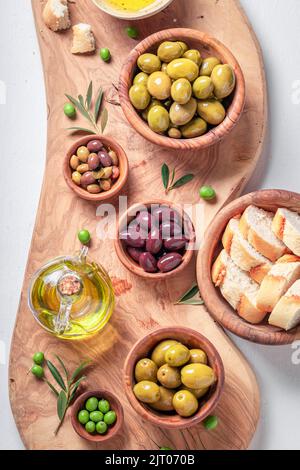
(150, 10)
(208, 46)
(115, 406)
(218, 307)
(123, 166)
(192, 339)
(134, 267)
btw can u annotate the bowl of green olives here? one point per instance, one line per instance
(97, 415)
(174, 377)
(182, 89)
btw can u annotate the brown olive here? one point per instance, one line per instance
(94, 145)
(74, 162)
(87, 178)
(148, 262)
(115, 173)
(104, 157)
(114, 157)
(93, 188)
(105, 185)
(83, 153)
(93, 161)
(169, 262)
(76, 177)
(82, 168)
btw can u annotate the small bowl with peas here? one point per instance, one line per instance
(97, 415)
(96, 168)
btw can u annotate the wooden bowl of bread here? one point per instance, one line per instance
(249, 267)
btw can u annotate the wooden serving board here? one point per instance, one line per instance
(142, 306)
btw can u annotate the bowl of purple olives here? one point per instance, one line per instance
(96, 168)
(155, 240)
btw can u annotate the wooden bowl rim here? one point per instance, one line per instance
(215, 135)
(123, 166)
(130, 264)
(159, 419)
(218, 307)
(116, 406)
(139, 15)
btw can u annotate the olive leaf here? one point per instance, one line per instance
(98, 104)
(81, 129)
(51, 387)
(75, 386)
(56, 375)
(62, 404)
(79, 369)
(181, 181)
(104, 119)
(89, 95)
(188, 298)
(170, 185)
(81, 100)
(79, 106)
(63, 366)
(165, 174)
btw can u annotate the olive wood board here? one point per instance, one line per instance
(142, 306)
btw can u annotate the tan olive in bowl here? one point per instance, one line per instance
(192, 340)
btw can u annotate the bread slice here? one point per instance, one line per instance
(237, 288)
(278, 280)
(83, 39)
(286, 226)
(243, 253)
(286, 313)
(56, 15)
(256, 227)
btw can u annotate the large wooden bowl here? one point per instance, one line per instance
(218, 307)
(208, 46)
(191, 339)
(116, 188)
(133, 266)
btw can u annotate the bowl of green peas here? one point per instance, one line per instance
(97, 415)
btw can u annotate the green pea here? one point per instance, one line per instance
(101, 427)
(83, 416)
(69, 110)
(84, 236)
(96, 416)
(207, 193)
(91, 404)
(38, 371)
(90, 427)
(104, 406)
(211, 422)
(110, 418)
(132, 32)
(105, 54)
(38, 358)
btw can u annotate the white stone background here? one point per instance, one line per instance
(22, 149)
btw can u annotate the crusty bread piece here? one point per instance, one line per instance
(256, 227)
(243, 253)
(237, 288)
(286, 226)
(278, 280)
(83, 39)
(286, 313)
(56, 15)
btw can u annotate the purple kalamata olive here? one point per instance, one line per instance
(144, 219)
(165, 214)
(169, 262)
(87, 178)
(134, 253)
(94, 146)
(154, 241)
(105, 159)
(174, 244)
(148, 262)
(133, 236)
(170, 229)
(93, 161)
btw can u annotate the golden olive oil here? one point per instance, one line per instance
(129, 5)
(89, 312)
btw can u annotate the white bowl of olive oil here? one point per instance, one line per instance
(132, 9)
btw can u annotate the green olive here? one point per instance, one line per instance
(194, 128)
(174, 133)
(207, 66)
(169, 51)
(158, 353)
(159, 85)
(197, 376)
(158, 119)
(177, 355)
(203, 88)
(223, 79)
(141, 79)
(184, 46)
(169, 376)
(198, 356)
(193, 55)
(149, 63)
(165, 403)
(198, 392)
(151, 105)
(139, 96)
(181, 114)
(212, 111)
(146, 391)
(183, 68)
(145, 369)
(181, 91)
(185, 403)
